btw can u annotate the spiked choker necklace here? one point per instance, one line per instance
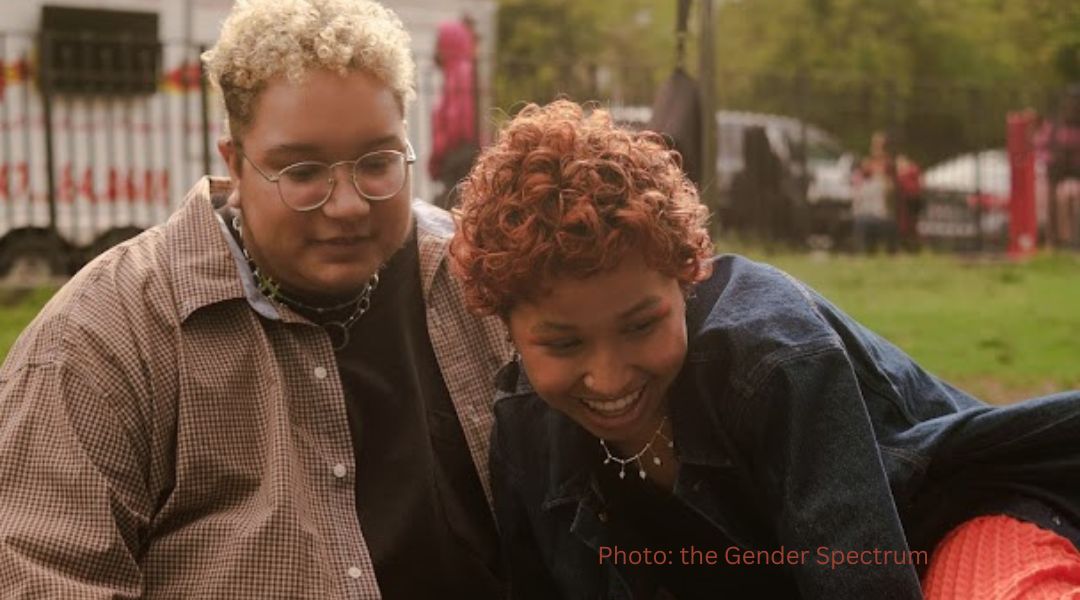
(339, 327)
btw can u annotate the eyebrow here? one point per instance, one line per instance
(645, 304)
(304, 150)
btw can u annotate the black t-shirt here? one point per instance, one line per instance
(421, 507)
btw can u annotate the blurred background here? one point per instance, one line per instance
(917, 161)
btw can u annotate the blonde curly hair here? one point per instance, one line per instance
(265, 39)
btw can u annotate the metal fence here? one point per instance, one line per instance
(86, 165)
(101, 138)
(819, 129)
(91, 152)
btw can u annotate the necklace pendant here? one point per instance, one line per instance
(639, 456)
(339, 335)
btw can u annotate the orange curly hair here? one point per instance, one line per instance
(563, 193)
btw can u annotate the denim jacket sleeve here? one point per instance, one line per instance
(817, 463)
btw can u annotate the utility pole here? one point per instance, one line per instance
(707, 58)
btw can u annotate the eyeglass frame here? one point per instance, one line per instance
(409, 155)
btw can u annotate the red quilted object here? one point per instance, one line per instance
(1001, 558)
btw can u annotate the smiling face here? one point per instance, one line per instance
(333, 250)
(605, 349)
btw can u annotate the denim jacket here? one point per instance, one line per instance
(798, 429)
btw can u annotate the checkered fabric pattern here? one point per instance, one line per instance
(166, 433)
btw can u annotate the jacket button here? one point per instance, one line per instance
(602, 516)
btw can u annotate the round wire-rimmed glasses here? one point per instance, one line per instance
(307, 185)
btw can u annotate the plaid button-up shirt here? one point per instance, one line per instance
(167, 432)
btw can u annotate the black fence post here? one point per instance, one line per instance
(897, 137)
(804, 146)
(6, 117)
(45, 74)
(204, 105)
(707, 76)
(976, 134)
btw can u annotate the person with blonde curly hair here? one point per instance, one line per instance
(680, 425)
(279, 393)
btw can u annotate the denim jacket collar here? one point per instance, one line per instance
(694, 433)
(570, 445)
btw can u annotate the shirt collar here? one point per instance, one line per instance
(699, 438)
(203, 267)
(434, 228)
(259, 303)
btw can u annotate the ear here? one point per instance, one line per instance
(230, 154)
(233, 201)
(705, 271)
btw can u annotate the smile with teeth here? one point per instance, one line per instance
(613, 407)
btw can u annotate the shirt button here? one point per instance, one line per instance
(340, 471)
(320, 372)
(355, 572)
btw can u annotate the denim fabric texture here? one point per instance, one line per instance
(797, 429)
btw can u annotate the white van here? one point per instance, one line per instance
(828, 164)
(828, 167)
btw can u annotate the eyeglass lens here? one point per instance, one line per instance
(377, 176)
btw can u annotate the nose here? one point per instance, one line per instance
(607, 374)
(345, 201)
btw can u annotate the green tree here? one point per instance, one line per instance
(603, 51)
(939, 74)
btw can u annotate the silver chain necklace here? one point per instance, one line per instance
(338, 330)
(622, 462)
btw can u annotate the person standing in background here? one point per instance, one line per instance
(1059, 144)
(874, 206)
(909, 201)
(453, 123)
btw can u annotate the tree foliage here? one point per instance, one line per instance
(606, 51)
(939, 74)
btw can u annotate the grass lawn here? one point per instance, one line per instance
(19, 306)
(999, 330)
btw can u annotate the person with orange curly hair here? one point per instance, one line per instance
(694, 425)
